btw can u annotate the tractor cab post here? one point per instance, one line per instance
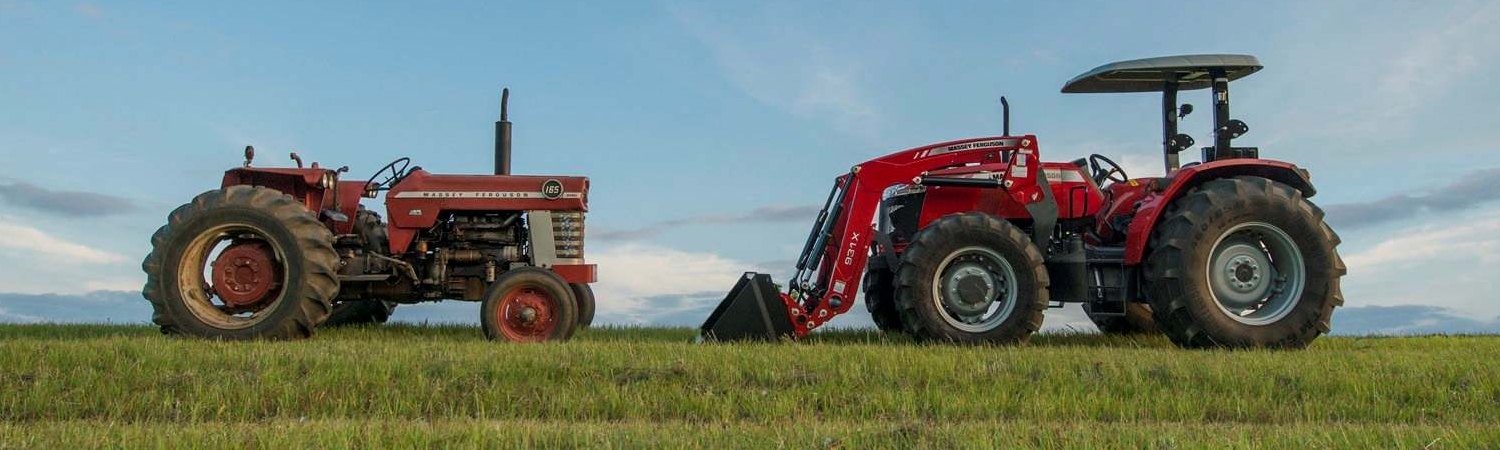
(1172, 74)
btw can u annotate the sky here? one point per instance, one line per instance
(711, 130)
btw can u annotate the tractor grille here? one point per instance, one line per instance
(567, 234)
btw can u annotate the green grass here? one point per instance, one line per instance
(400, 386)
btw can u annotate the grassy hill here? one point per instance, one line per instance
(403, 386)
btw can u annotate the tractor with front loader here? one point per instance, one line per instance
(970, 240)
(276, 252)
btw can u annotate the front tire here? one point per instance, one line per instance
(585, 295)
(880, 296)
(971, 278)
(1243, 262)
(272, 276)
(529, 304)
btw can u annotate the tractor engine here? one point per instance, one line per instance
(457, 258)
(467, 251)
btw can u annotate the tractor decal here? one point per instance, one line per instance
(488, 194)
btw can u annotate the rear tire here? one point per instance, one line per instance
(529, 304)
(1243, 262)
(296, 281)
(971, 278)
(585, 295)
(880, 297)
(360, 312)
(1137, 320)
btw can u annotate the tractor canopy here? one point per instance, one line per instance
(1169, 74)
(1152, 74)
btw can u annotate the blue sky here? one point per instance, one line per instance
(708, 128)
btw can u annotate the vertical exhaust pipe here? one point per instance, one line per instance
(1005, 111)
(502, 136)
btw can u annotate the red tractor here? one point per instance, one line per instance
(972, 239)
(274, 252)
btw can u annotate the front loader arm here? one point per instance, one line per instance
(834, 257)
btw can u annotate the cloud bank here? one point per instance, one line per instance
(24, 242)
(764, 214)
(72, 204)
(1469, 191)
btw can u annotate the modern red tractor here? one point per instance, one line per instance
(973, 239)
(274, 252)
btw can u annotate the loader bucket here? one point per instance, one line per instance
(753, 310)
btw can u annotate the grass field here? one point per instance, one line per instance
(408, 386)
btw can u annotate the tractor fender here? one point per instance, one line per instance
(1177, 184)
(309, 186)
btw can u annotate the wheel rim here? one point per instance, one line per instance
(242, 283)
(527, 314)
(1256, 273)
(974, 289)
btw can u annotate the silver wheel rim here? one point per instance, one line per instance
(1256, 273)
(974, 289)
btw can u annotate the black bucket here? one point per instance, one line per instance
(752, 311)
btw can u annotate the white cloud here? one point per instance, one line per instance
(1415, 247)
(634, 278)
(21, 241)
(1449, 262)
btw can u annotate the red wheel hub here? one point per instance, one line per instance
(246, 275)
(527, 314)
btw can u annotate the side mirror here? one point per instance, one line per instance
(1184, 110)
(1236, 128)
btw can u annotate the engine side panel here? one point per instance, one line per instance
(421, 198)
(1076, 195)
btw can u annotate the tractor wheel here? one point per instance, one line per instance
(971, 278)
(585, 296)
(880, 297)
(1243, 262)
(528, 304)
(241, 262)
(360, 312)
(1137, 320)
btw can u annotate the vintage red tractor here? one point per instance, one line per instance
(273, 252)
(973, 239)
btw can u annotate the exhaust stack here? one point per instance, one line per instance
(502, 136)
(1005, 112)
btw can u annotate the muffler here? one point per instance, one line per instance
(753, 310)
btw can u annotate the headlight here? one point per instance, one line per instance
(328, 181)
(903, 189)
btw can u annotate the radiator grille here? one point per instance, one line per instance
(567, 233)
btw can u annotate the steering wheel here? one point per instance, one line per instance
(1105, 169)
(396, 170)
